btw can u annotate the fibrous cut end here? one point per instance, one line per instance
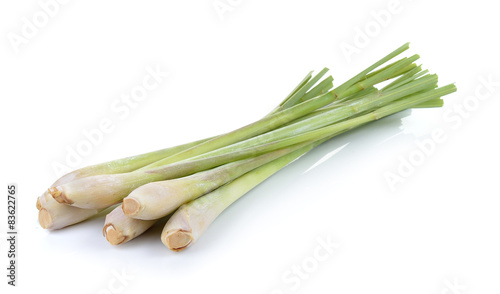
(177, 240)
(113, 236)
(130, 206)
(44, 218)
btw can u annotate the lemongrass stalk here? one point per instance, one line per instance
(158, 199)
(284, 116)
(124, 165)
(330, 116)
(53, 215)
(191, 220)
(119, 228)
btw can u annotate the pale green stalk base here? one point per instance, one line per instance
(124, 165)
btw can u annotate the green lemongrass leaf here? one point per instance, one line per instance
(323, 87)
(295, 98)
(298, 87)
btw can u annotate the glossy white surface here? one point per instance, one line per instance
(436, 232)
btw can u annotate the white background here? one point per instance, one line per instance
(437, 232)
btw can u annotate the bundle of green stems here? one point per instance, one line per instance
(195, 182)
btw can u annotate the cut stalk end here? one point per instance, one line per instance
(58, 194)
(131, 206)
(44, 218)
(177, 240)
(114, 236)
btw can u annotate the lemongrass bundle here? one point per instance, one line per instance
(199, 180)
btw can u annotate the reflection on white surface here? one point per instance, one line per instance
(326, 157)
(389, 138)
